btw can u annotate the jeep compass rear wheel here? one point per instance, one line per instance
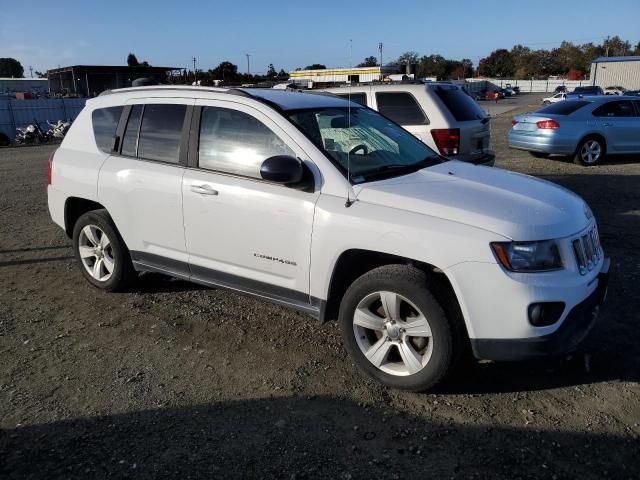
(395, 329)
(103, 257)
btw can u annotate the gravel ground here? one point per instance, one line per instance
(172, 380)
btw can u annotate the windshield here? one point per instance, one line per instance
(363, 143)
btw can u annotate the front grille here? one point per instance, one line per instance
(587, 250)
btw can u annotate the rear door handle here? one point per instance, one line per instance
(203, 189)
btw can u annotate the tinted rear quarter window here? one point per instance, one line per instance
(105, 123)
(160, 132)
(401, 107)
(360, 98)
(623, 108)
(462, 106)
(566, 107)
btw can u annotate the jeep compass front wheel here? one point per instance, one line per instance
(103, 257)
(395, 329)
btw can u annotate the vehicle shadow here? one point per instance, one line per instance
(321, 437)
(627, 159)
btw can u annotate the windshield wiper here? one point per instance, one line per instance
(403, 168)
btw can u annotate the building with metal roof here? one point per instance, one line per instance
(616, 71)
(90, 80)
(341, 75)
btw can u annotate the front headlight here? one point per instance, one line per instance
(528, 256)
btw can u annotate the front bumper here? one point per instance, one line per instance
(567, 337)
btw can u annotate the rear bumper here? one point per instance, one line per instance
(571, 333)
(551, 144)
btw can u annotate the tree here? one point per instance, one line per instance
(132, 61)
(11, 68)
(283, 74)
(433, 66)
(315, 66)
(369, 62)
(615, 46)
(498, 64)
(225, 71)
(40, 74)
(271, 71)
(408, 58)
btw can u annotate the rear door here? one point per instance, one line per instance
(140, 184)
(404, 109)
(618, 120)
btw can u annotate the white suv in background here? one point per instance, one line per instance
(442, 115)
(319, 204)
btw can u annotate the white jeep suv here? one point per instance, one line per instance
(319, 204)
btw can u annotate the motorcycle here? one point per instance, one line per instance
(31, 133)
(59, 129)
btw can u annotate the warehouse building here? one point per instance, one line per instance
(90, 80)
(341, 75)
(616, 71)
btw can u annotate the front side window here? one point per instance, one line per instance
(363, 143)
(160, 132)
(105, 123)
(235, 142)
(622, 108)
(400, 107)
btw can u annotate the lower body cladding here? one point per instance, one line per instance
(553, 144)
(500, 322)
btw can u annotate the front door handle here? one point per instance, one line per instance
(203, 189)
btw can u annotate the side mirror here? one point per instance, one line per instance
(282, 169)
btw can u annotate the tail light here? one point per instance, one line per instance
(547, 124)
(513, 122)
(447, 140)
(50, 168)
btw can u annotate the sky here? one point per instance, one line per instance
(292, 34)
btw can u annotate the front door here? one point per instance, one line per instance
(243, 232)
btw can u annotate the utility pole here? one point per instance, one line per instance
(195, 72)
(31, 71)
(248, 64)
(380, 48)
(606, 42)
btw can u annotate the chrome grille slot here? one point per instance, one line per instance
(587, 250)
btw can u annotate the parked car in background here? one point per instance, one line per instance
(516, 90)
(507, 91)
(588, 91)
(615, 90)
(632, 93)
(558, 97)
(489, 95)
(319, 204)
(586, 129)
(440, 114)
(560, 89)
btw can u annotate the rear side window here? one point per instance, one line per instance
(105, 123)
(622, 108)
(360, 98)
(462, 106)
(130, 141)
(235, 142)
(160, 132)
(564, 108)
(401, 107)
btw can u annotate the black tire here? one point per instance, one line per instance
(4, 140)
(539, 154)
(413, 284)
(123, 272)
(578, 156)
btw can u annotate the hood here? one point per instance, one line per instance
(516, 206)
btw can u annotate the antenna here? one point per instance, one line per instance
(349, 202)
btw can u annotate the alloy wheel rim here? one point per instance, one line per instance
(392, 333)
(591, 151)
(96, 253)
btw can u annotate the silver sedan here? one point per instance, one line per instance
(586, 129)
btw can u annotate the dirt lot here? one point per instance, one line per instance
(175, 381)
